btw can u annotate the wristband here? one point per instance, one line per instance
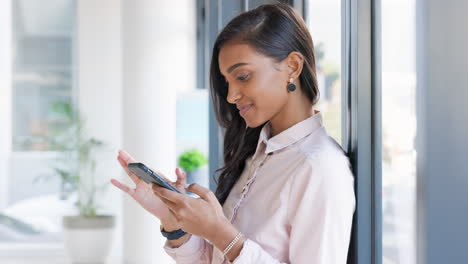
(173, 235)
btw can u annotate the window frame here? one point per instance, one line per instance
(361, 123)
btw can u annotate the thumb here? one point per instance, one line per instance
(203, 192)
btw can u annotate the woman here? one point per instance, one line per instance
(285, 194)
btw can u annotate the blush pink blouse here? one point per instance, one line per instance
(294, 202)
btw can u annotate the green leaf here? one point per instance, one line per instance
(192, 159)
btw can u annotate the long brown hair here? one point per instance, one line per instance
(274, 30)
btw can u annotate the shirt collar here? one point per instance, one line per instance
(288, 136)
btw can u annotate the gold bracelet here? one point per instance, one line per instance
(233, 242)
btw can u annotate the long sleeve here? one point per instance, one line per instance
(195, 251)
(320, 210)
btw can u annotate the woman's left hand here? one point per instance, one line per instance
(201, 216)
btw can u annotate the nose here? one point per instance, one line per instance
(233, 94)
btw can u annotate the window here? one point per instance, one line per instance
(42, 69)
(324, 22)
(398, 131)
(193, 96)
(42, 78)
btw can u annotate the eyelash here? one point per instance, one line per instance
(242, 78)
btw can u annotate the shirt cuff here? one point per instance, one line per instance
(244, 253)
(191, 249)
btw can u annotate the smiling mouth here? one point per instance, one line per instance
(244, 109)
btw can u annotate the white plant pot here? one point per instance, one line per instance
(199, 176)
(88, 239)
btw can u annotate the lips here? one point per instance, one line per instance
(244, 109)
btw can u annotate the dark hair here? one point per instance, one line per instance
(274, 30)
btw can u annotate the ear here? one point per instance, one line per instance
(295, 63)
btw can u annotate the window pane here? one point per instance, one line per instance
(398, 132)
(324, 22)
(193, 101)
(42, 65)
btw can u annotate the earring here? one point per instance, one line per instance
(291, 85)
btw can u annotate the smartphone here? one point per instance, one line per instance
(149, 176)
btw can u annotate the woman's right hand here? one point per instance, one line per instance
(143, 192)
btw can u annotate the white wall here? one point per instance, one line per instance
(158, 60)
(99, 87)
(5, 98)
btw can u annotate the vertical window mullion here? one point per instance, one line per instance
(376, 57)
(361, 123)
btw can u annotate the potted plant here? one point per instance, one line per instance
(194, 162)
(87, 235)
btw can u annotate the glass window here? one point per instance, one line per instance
(398, 131)
(324, 22)
(42, 69)
(193, 101)
(42, 78)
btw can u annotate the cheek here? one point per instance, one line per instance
(269, 97)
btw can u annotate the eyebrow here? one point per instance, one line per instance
(235, 66)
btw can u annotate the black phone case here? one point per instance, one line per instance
(149, 176)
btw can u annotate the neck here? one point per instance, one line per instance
(297, 108)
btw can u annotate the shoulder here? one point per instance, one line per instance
(321, 153)
(324, 164)
(325, 180)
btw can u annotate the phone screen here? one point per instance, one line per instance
(149, 176)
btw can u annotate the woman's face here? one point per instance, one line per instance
(255, 82)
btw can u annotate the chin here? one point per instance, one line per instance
(253, 123)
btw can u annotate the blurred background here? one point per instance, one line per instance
(81, 79)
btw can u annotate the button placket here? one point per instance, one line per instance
(246, 187)
(257, 167)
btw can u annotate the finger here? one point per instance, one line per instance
(167, 202)
(168, 194)
(204, 193)
(174, 184)
(170, 205)
(162, 176)
(126, 157)
(123, 187)
(124, 165)
(181, 177)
